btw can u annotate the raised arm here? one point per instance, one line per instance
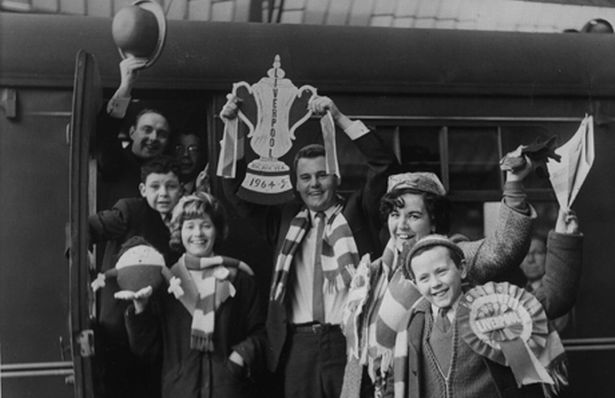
(380, 161)
(560, 283)
(504, 249)
(111, 118)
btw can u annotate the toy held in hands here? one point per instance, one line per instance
(139, 270)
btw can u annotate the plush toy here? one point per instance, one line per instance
(139, 269)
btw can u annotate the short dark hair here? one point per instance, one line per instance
(196, 206)
(407, 261)
(437, 207)
(149, 110)
(311, 151)
(162, 164)
(176, 139)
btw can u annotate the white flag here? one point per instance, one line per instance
(577, 154)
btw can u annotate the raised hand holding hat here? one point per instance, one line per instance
(140, 31)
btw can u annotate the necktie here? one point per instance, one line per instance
(318, 305)
(442, 321)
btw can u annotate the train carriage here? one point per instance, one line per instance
(452, 102)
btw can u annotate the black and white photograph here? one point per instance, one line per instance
(307, 198)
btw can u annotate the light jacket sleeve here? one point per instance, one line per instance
(504, 248)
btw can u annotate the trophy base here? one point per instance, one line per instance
(267, 182)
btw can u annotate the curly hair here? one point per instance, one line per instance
(437, 207)
(197, 206)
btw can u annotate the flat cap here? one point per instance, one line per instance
(434, 240)
(422, 181)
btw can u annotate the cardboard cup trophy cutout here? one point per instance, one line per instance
(267, 179)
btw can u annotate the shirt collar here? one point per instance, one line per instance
(451, 313)
(328, 213)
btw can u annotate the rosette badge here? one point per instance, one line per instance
(139, 30)
(507, 325)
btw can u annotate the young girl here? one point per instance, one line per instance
(212, 337)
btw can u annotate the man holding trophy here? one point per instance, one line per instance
(319, 240)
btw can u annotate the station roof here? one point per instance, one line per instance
(500, 15)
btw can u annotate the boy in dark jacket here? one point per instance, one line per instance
(122, 374)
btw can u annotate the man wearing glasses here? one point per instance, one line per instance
(189, 152)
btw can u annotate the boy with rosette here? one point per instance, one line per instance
(437, 353)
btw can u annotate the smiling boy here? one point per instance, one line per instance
(440, 363)
(146, 216)
(432, 359)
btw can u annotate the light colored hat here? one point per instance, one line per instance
(140, 30)
(139, 267)
(432, 241)
(423, 181)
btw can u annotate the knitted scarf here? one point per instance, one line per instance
(367, 289)
(400, 357)
(339, 252)
(204, 293)
(398, 301)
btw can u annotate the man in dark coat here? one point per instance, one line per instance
(306, 345)
(120, 167)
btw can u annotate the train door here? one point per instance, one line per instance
(34, 353)
(87, 99)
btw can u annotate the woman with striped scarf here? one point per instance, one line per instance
(415, 205)
(211, 336)
(409, 207)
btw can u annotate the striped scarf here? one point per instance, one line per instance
(400, 298)
(339, 252)
(400, 357)
(204, 293)
(367, 289)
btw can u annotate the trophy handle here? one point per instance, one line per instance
(305, 117)
(242, 115)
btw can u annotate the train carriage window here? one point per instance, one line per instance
(513, 136)
(419, 148)
(473, 158)
(467, 219)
